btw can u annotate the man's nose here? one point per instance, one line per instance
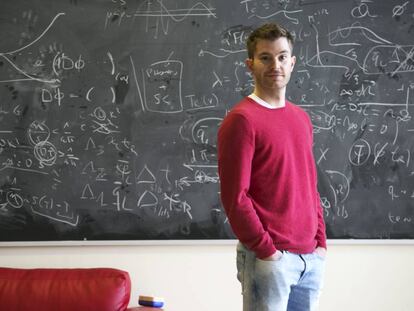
(275, 63)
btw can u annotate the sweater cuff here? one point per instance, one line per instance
(265, 252)
(322, 244)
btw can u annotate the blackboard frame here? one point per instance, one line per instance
(233, 242)
(307, 19)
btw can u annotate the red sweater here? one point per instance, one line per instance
(268, 179)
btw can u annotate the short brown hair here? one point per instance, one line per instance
(270, 31)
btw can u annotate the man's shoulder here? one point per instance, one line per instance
(239, 116)
(243, 108)
(297, 109)
(294, 106)
(243, 104)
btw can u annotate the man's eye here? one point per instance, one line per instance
(265, 59)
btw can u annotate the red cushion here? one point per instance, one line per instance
(97, 289)
(144, 309)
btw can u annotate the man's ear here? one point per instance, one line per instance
(293, 58)
(249, 63)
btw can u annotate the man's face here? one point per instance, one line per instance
(272, 64)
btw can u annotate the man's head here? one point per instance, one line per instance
(271, 32)
(270, 59)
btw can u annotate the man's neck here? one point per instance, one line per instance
(275, 99)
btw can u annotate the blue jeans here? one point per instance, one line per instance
(292, 283)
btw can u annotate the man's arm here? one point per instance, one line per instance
(321, 233)
(235, 154)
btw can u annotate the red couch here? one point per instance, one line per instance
(93, 289)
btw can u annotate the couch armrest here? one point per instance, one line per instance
(95, 289)
(144, 309)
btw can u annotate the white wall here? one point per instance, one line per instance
(202, 278)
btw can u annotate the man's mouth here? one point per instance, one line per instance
(274, 75)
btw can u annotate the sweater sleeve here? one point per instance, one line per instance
(235, 154)
(321, 233)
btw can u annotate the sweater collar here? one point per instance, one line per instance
(263, 103)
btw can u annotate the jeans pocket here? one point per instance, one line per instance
(271, 261)
(241, 260)
(241, 263)
(323, 258)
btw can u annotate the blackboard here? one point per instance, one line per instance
(109, 113)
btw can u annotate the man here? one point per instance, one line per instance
(269, 184)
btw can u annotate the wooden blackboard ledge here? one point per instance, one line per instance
(192, 243)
